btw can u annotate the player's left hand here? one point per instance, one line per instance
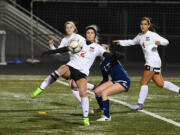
(157, 43)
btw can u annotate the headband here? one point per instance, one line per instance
(92, 29)
(147, 19)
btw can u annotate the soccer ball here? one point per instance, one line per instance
(75, 45)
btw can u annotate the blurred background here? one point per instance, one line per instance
(27, 25)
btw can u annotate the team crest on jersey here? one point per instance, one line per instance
(91, 49)
(147, 38)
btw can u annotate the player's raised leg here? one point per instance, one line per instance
(158, 80)
(62, 71)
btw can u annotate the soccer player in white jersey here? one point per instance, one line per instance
(149, 41)
(71, 31)
(90, 38)
(77, 69)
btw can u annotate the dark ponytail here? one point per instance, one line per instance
(153, 27)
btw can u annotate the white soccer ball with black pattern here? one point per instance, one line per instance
(75, 45)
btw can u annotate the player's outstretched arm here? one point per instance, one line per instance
(115, 55)
(128, 42)
(59, 50)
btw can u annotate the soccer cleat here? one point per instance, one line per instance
(36, 92)
(136, 107)
(79, 106)
(104, 118)
(179, 90)
(96, 110)
(86, 121)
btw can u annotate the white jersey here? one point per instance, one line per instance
(65, 40)
(147, 42)
(83, 60)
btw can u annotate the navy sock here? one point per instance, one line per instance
(100, 102)
(106, 105)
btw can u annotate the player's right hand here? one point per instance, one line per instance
(117, 42)
(51, 42)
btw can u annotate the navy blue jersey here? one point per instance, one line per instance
(116, 71)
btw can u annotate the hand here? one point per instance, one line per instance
(157, 43)
(117, 42)
(51, 42)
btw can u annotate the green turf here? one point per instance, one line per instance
(19, 113)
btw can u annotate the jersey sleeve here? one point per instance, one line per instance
(129, 42)
(52, 47)
(163, 41)
(105, 77)
(62, 44)
(100, 51)
(59, 50)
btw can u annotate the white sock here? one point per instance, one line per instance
(49, 80)
(75, 92)
(85, 106)
(143, 94)
(90, 86)
(170, 86)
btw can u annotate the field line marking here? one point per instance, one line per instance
(143, 111)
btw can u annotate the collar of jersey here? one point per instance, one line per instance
(88, 42)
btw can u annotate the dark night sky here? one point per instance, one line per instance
(24, 3)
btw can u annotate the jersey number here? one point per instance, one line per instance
(83, 54)
(143, 45)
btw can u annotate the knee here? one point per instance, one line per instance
(59, 70)
(97, 93)
(61, 67)
(104, 95)
(83, 93)
(143, 83)
(160, 84)
(63, 71)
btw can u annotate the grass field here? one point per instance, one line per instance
(19, 113)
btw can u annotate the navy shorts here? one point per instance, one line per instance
(124, 83)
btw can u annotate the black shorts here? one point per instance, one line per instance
(154, 69)
(76, 74)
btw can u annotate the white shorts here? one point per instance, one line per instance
(154, 69)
